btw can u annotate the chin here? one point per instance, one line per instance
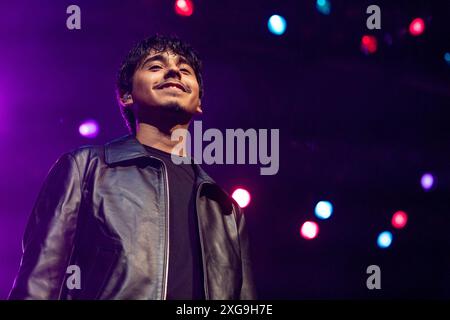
(173, 106)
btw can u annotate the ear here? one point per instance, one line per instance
(199, 107)
(127, 100)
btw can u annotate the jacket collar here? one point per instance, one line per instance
(129, 148)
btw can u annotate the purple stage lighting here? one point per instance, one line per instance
(427, 181)
(89, 129)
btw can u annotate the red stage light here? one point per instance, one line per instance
(417, 27)
(399, 219)
(369, 44)
(242, 197)
(184, 7)
(309, 230)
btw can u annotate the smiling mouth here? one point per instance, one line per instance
(172, 85)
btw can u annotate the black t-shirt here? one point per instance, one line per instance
(185, 278)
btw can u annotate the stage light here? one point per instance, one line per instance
(323, 6)
(242, 197)
(323, 210)
(384, 239)
(309, 230)
(427, 181)
(417, 27)
(277, 25)
(184, 7)
(399, 219)
(89, 129)
(369, 44)
(447, 58)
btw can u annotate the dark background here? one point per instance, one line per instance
(356, 130)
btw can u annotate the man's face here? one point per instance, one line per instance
(165, 79)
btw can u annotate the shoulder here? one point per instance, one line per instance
(86, 153)
(84, 158)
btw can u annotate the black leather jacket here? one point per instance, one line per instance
(104, 209)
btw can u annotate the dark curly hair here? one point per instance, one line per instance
(139, 52)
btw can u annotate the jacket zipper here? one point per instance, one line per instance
(166, 242)
(166, 267)
(205, 284)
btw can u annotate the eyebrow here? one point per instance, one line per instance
(163, 59)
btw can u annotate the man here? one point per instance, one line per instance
(123, 215)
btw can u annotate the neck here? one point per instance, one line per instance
(157, 138)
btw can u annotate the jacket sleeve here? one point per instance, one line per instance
(248, 290)
(49, 235)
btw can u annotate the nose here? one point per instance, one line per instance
(173, 72)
